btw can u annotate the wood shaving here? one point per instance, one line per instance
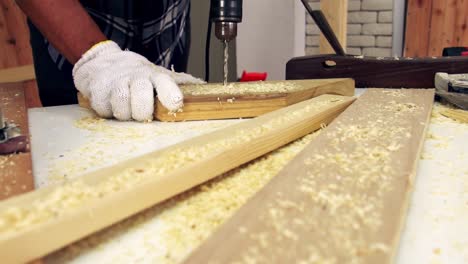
(246, 88)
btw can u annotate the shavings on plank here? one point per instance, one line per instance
(139, 183)
(175, 228)
(162, 235)
(102, 135)
(349, 187)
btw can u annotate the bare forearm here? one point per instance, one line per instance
(65, 24)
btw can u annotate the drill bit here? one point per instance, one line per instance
(226, 58)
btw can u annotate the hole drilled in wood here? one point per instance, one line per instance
(329, 63)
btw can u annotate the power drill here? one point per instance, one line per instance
(226, 14)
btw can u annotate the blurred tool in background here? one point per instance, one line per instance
(11, 139)
(452, 88)
(455, 51)
(253, 76)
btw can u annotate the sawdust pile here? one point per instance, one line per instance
(246, 88)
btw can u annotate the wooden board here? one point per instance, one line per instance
(456, 114)
(17, 74)
(16, 169)
(15, 48)
(66, 213)
(336, 12)
(376, 72)
(433, 25)
(343, 199)
(219, 106)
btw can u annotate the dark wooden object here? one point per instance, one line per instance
(375, 72)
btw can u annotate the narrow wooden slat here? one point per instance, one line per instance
(418, 21)
(343, 199)
(220, 110)
(249, 104)
(456, 114)
(343, 86)
(17, 74)
(63, 214)
(336, 12)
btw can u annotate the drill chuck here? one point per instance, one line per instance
(226, 14)
(226, 31)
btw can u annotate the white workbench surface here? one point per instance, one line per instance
(436, 228)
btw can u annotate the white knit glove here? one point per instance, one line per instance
(120, 83)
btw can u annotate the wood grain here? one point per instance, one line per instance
(17, 74)
(336, 12)
(15, 169)
(418, 20)
(15, 48)
(8, 56)
(225, 106)
(461, 24)
(456, 114)
(442, 22)
(343, 199)
(376, 72)
(132, 186)
(434, 25)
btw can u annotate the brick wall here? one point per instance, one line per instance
(369, 28)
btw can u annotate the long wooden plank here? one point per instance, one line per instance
(336, 12)
(63, 214)
(341, 200)
(245, 99)
(15, 169)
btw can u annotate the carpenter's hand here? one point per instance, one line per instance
(120, 83)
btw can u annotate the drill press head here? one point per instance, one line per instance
(226, 14)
